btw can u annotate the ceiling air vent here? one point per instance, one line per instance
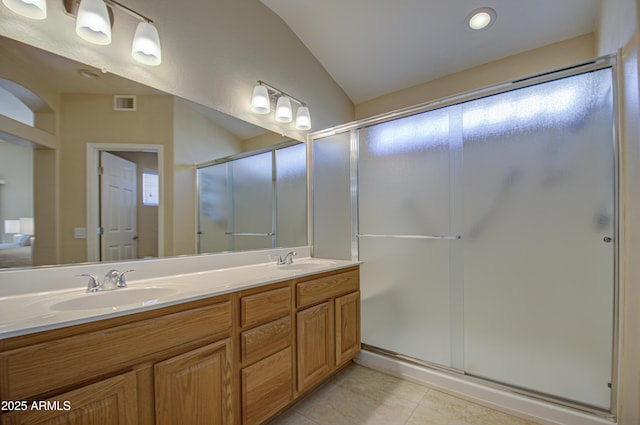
(124, 103)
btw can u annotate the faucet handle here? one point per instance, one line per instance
(122, 280)
(93, 285)
(291, 255)
(287, 259)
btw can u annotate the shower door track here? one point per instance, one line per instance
(461, 374)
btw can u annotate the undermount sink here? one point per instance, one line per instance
(114, 299)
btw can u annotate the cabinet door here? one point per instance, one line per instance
(195, 388)
(109, 402)
(267, 386)
(347, 327)
(315, 344)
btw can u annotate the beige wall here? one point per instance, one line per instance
(91, 119)
(46, 206)
(44, 132)
(16, 195)
(528, 63)
(214, 51)
(264, 140)
(197, 140)
(618, 31)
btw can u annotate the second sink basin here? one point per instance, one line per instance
(116, 298)
(306, 265)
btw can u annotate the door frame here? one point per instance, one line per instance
(93, 192)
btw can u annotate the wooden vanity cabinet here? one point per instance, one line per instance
(239, 358)
(113, 399)
(106, 370)
(328, 325)
(195, 387)
(266, 352)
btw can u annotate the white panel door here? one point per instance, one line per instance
(118, 208)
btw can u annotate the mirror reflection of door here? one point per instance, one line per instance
(118, 208)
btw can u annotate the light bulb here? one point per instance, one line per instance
(481, 18)
(283, 110)
(34, 9)
(93, 23)
(260, 102)
(303, 118)
(146, 45)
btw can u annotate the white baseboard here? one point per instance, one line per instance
(513, 404)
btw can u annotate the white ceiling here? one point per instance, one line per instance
(375, 47)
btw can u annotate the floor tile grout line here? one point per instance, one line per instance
(418, 405)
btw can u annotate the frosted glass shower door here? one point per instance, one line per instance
(253, 205)
(213, 208)
(405, 237)
(538, 217)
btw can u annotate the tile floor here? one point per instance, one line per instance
(359, 395)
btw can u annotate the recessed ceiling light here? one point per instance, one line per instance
(87, 73)
(481, 18)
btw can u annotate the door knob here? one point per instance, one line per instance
(607, 239)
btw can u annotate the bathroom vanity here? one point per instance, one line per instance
(239, 355)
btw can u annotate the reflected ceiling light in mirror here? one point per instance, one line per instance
(34, 9)
(283, 110)
(303, 119)
(93, 23)
(481, 18)
(263, 94)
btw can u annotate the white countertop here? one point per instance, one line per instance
(26, 313)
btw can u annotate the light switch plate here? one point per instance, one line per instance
(79, 232)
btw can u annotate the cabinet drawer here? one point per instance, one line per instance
(267, 387)
(318, 290)
(44, 367)
(267, 339)
(265, 306)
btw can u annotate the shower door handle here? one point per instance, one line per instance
(442, 237)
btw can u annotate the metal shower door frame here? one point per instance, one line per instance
(608, 61)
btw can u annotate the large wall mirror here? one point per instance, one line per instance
(94, 167)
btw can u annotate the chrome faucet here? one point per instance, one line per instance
(112, 280)
(93, 285)
(287, 259)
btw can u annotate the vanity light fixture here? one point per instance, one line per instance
(481, 18)
(34, 9)
(283, 110)
(303, 118)
(146, 44)
(263, 94)
(260, 101)
(93, 23)
(94, 20)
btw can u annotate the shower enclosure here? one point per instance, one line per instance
(253, 200)
(488, 233)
